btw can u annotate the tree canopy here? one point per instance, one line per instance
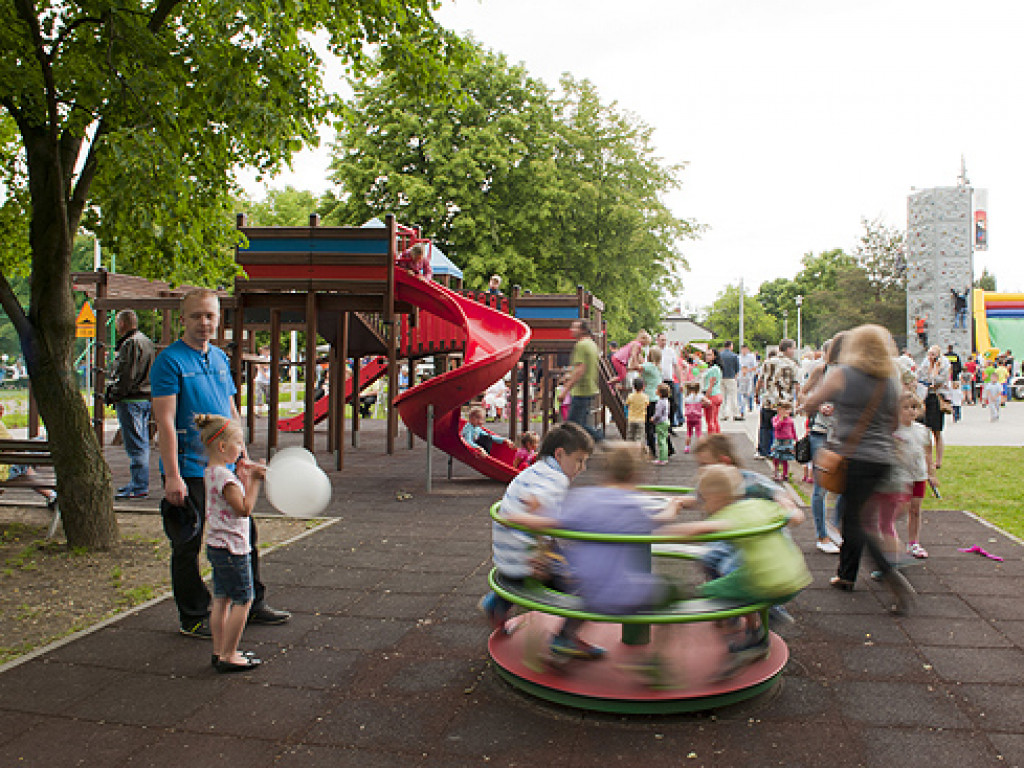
(550, 190)
(723, 318)
(128, 116)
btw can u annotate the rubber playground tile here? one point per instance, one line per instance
(250, 708)
(941, 605)
(967, 633)
(926, 747)
(176, 749)
(1013, 630)
(150, 700)
(408, 582)
(400, 723)
(324, 756)
(304, 668)
(56, 742)
(999, 707)
(357, 633)
(386, 604)
(799, 698)
(899, 704)
(451, 677)
(859, 628)
(130, 650)
(982, 665)
(1001, 608)
(970, 586)
(885, 662)
(315, 600)
(52, 688)
(1010, 748)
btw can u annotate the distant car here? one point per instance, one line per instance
(1017, 388)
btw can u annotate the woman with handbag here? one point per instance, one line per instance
(934, 374)
(821, 427)
(864, 389)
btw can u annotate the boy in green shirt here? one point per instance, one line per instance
(771, 569)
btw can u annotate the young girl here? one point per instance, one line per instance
(783, 447)
(922, 471)
(229, 502)
(527, 453)
(636, 403)
(693, 410)
(475, 436)
(660, 420)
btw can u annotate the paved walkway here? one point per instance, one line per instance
(384, 663)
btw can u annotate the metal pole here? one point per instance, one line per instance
(741, 312)
(430, 446)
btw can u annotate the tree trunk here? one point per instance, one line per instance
(84, 483)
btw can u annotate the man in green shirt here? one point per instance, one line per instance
(582, 378)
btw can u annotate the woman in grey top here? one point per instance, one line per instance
(866, 372)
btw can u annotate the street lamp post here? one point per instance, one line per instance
(799, 329)
(785, 323)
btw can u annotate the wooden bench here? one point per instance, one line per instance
(35, 454)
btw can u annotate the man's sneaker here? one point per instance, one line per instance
(200, 629)
(264, 614)
(489, 606)
(574, 648)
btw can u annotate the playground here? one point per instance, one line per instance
(385, 661)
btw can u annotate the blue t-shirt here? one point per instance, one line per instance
(613, 577)
(202, 383)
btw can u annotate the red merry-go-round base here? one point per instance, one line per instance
(694, 658)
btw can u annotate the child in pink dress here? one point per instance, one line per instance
(527, 452)
(784, 446)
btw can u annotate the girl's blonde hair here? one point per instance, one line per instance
(211, 426)
(720, 447)
(870, 349)
(529, 438)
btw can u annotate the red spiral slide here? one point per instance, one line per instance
(368, 374)
(495, 341)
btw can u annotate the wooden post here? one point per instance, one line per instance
(391, 329)
(357, 374)
(544, 382)
(310, 393)
(275, 381)
(100, 361)
(339, 383)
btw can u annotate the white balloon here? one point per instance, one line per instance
(293, 450)
(296, 487)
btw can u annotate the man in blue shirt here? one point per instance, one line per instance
(189, 377)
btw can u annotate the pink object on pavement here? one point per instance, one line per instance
(979, 551)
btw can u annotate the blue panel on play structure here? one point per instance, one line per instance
(1004, 313)
(547, 313)
(316, 245)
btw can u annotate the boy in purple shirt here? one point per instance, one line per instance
(611, 577)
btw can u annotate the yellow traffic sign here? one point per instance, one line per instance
(85, 323)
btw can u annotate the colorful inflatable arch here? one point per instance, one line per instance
(998, 322)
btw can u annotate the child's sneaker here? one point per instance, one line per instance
(916, 550)
(489, 606)
(574, 648)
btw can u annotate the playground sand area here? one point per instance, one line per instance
(48, 591)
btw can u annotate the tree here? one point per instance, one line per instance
(882, 254)
(288, 207)
(613, 233)
(987, 281)
(470, 165)
(723, 319)
(129, 116)
(550, 191)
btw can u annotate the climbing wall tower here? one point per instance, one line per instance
(940, 261)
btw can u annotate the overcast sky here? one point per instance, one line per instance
(796, 119)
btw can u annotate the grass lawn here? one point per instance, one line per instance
(985, 481)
